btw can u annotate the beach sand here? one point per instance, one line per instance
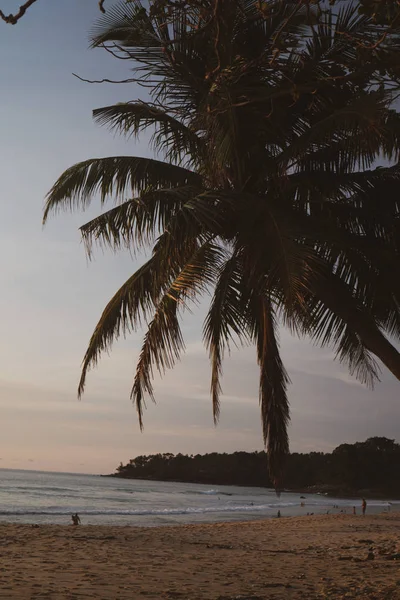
(316, 557)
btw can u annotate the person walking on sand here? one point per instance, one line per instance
(364, 506)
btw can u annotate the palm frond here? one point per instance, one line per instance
(358, 127)
(224, 322)
(163, 341)
(333, 309)
(125, 311)
(162, 346)
(136, 223)
(140, 294)
(127, 23)
(352, 351)
(273, 384)
(278, 262)
(114, 176)
(172, 137)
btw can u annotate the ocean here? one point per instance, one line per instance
(43, 497)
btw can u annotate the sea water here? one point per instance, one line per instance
(43, 497)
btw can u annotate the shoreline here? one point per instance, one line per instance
(319, 490)
(292, 558)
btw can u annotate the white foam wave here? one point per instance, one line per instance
(141, 512)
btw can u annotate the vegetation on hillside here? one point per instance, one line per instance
(371, 466)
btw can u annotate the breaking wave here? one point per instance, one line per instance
(140, 512)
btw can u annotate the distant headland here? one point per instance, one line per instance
(367, 468)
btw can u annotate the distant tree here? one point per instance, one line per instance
(380, 444)
(368, 467)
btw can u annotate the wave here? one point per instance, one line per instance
(212, 493)
(221, 509)
(157, 511)
(136, 512)
(33, 488)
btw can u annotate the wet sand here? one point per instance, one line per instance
(307, 558)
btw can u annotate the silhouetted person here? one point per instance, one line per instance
(354, 510)
(76, 519)
(364, 506)
(279, 514)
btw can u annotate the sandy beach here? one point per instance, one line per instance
(289, 558)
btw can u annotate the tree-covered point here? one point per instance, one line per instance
(369, 467)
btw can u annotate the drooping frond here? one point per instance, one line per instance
(116, 176)
(333, 310)
(163, 341)
(273, 383)
(352, 351)
(137, 222)
(162, 346)
(276, 259)
(141, 294)
(125, 311)
(224, 322)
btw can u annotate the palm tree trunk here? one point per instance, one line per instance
(337, 298)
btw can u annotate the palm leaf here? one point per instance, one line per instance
(127, 23)
(224, 322)
(334, 308)
(352, 351)
(171, 136)
(163, 341)
(143, 291)
(162, 345)
(133, 302)
(135, 223)
(273, 383)
(115, 176)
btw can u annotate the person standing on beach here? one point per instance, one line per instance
(76, 519)
(364, 506)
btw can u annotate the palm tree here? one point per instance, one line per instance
(270, 120)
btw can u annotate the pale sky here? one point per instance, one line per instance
(51, 297)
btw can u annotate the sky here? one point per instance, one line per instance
(52, 296)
